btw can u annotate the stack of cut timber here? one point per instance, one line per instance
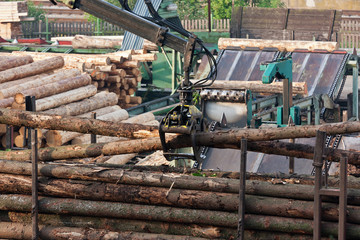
(64, 92)
(116, 72)
(148, 204)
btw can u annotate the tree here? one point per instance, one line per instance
(190, 9)
(221, 9)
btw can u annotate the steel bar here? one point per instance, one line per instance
(93, 136)
(318, 164)
(243, 159)
(343, 198)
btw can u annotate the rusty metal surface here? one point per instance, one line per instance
(321, 71)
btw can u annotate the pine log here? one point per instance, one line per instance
(121, 159)
(148, 57)
(58, 138)
(24, 80)
(135, 100)
(113, 79)
(23, 231)
(97, 101)
(141, 118)
(108, 68)
(281, 45)
(152, 123)
(3, 139)
(119, 72)
(131, 91)
(124, 54)
(258, 86)
(12, 62)
(133, 71)
(123, 225)
(22, 203)
(38, 81)
(7, 102)
(89, 65)
(31, 69)
(86, 139)
(54, 88)
(91, 190)
(129, 64)
(81, 41)
(65, 97)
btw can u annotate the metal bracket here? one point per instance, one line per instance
(160, 36)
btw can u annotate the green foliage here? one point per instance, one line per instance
(221, 9)
(190, 9)
(35, 11)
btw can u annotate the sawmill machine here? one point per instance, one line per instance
(186, 117)
(324, 73)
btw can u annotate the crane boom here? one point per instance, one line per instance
(129, 22)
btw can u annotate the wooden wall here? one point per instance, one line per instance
(285, 24)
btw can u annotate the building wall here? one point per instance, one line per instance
(324, 4)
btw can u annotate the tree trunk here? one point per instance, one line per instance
(97, 101)
(129, 64)
(281, 45)
(258, 86)
(31, 69)
(12, 62)
(121, 193)
(125, 225)
(37, 81)
(23, 231)
(141, 118)
(81, 41)
(148, 57)
(86, 139)
(98, 127)
(121, 159)
(23, 81)
(54, 88)
(58, 138)
(77, 207)
(65, 97)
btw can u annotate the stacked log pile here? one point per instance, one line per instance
(64, 92)
(151, 204)
(117, 72)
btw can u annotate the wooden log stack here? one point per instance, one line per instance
(117, 72)
(64, 92)
(153, 205)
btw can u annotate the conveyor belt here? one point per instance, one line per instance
(324, 74)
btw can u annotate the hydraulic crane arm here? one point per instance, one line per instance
(130, 22)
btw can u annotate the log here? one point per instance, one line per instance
(281, 45)
(259, 87)
(97, 101)
(135, 100)
(53, 88)
(23, 231)
(148, 57)
(3, 139)
(65, 97)
(91, 190)
(81, 41)
(23, 80)
(22, 203)
(123, 225)
(129, 64)
(31, 69)
(12, 62)
(121, 159)
(118, 72)
(58, 138)
(141, 118)
(113, 79)
(108, 68)
(37, 82)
